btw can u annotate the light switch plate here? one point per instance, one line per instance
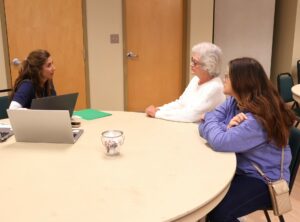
(114, 38)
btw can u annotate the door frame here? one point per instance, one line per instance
(185, 49)
(85, 55)
(5, 45)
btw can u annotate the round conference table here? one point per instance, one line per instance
(296, 92)
(165, 172)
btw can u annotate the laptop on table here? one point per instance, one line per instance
(43, 126)
(61, 102)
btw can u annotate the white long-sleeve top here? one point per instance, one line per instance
(195, 100)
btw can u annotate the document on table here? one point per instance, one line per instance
(90, 114)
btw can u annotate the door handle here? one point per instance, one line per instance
(131, 55)
(16, 61)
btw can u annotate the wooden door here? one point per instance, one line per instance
(56, 26)
(154, 33)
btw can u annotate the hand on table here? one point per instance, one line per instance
(202, 116)
(151, 110)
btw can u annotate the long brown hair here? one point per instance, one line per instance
(256, 94)
(31, 69)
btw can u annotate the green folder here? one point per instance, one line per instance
(90, 114)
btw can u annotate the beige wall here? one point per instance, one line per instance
(201, 24)
(284, 36)
(245, 28)
(105, 59)
(296, 48)
(201, 21)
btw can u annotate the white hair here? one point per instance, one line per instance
(210, 56)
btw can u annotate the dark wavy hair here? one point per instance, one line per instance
(31, 69)
(256, 94)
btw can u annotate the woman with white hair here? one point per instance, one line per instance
(204, 92)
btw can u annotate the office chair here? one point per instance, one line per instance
(285, 83)
(4, 103)
(294, 142)
(298, 71)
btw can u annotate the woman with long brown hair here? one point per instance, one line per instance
(34, 80)
(254, 123)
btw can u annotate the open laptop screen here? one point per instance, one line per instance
(61, 102)
(43, 126)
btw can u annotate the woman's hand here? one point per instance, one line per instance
(237, 120)
(202, 116)
(151, 110)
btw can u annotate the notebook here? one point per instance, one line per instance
(90, 114)
(61, 102)
(5, 132)
(43, 126)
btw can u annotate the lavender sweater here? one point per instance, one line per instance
(248, 140)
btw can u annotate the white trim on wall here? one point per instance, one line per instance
(3, 77)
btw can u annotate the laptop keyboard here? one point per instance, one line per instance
(75, 132)
(3, 134)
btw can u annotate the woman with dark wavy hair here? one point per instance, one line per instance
(254, 123)
(34, 80)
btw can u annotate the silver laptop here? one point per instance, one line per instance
(61, 102)
(43, 126)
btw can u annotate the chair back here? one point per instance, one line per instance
(285, 83)
(294, 142)
(4, 103)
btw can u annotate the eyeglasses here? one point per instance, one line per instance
(194, 62)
